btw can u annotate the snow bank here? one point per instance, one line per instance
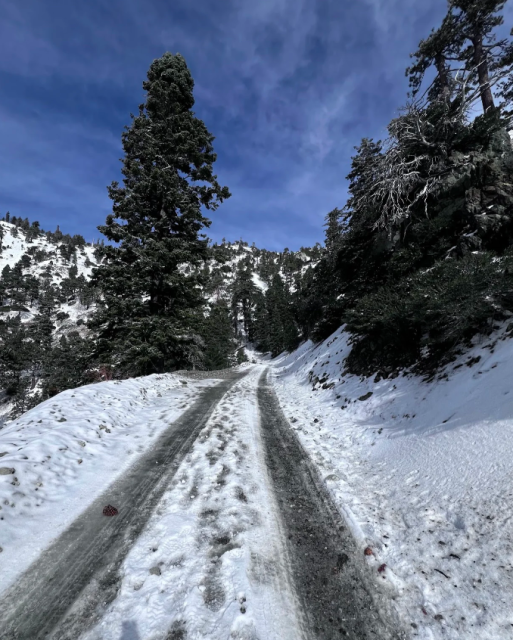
(58, 457)
(422, 471)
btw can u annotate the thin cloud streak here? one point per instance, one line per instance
(287, 87)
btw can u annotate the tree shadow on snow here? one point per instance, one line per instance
(129, 631)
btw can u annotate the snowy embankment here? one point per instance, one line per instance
(58, 457)
(423, 473)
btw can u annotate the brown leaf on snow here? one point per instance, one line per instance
(109, 510)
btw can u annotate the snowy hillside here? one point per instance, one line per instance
(46, 302)
(422, 473)
(15, 244)
(232, 259)
(49, 262)
(59, 458)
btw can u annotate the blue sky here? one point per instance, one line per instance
(288, 87)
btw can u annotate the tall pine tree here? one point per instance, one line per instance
(465, 53)
(147, 315)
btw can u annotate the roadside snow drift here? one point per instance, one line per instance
(423, 473)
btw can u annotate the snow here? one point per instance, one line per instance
(68, 449)
(259, 282)
(15, 247)
(211, 554)
(422, 473)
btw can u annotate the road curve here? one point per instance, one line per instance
(66, 588)
(334, 599)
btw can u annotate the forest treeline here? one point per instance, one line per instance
(420, 258)
(417, 262)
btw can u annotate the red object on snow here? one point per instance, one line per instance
(109, 510)
(381, 568)
(368, 551)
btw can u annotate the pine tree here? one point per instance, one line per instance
(283, 333)
(40, 332)
(146, 315)
(16, 355)
(465, 53)
(66, 367)
(506, 85)
(476, 21)
(219, 339)
(437, 50)
(243, 296)
(261, 324)
(333, 232)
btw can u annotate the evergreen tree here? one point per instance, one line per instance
(16, 355)
(145, 316)
(40, 332)
(283, 333)
(506, 84)
(261, 324)
(219, 339)
(476, 21)
(33, 232)
(333, 232)
(437, 50)
(465, 53)
(66, 367)
(243, 296)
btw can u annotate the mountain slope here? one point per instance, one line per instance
(46, 302)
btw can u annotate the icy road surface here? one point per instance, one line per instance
(223, 531)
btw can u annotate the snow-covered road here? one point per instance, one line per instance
(208, 541)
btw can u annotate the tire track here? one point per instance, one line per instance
(71, 583)
(332, 591)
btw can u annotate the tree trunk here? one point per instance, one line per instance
(481, 63)
(443, 73)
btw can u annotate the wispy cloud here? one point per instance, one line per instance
(288, 87)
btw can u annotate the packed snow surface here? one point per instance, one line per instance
(58, 457)
(423, 473)
(210, 563)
